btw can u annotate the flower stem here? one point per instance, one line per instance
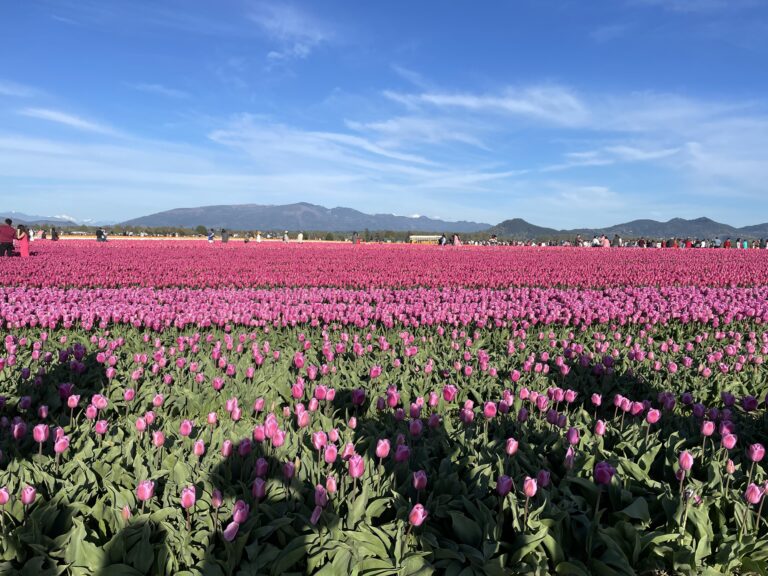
(525, 516)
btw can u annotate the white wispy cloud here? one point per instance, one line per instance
(610, 155)
(403, 130)
(412, 76)
(295, 32)
(550, 103)
(17, 90)
(70, 120)
(633, 154)
(159, 90)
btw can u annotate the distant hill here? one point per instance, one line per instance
(301, 216)
(29, 219)
(677, 227)
(519, 229)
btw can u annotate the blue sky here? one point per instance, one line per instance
(566, 113)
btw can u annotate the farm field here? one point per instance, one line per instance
(180, 408)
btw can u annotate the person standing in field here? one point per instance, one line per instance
(22, 235)
(7, 235)
(211, 235)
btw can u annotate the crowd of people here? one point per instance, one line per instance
(617, 241)
(16, 240)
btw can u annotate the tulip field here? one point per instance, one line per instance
(183, 409)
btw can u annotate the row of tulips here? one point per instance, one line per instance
(158, 309)
(382, 450)
(87, 264)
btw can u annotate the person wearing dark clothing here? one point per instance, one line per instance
(7, 236)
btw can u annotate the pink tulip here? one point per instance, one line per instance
(530, 487)
(356, 466)
(319, 440)
(61, 445)
(573, 436)
(707, 428)
(28, 495)
(145, 490)
(382, 448)
(756, 452)
(40, 433)
(4, 496)
(449, 393)
(278, 438)
(685, 460)
(753, 494)
(230, 532)
(330, 453)
(185, 428)
(729, 441)
(417, 516)
(188, 497)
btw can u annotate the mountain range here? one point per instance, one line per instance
(300, 216)
(310, 217)
(705, 228)
(58, 220)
